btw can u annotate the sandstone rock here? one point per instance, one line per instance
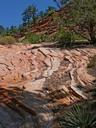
(44, 51)
(34, 70)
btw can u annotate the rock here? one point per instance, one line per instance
(33, 86)
(55, 63)
(47, 61)
(44, 51)
(31, 73)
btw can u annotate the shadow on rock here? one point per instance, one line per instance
(22, 109)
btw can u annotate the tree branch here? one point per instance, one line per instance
(81, 35)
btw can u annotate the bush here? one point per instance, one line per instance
(78, 37)
(78, 116)
(33, 38)
(4, 40)
(64, 39)
(44, 38)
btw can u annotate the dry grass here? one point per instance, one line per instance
(7, 40)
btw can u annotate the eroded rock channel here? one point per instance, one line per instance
(32, 77)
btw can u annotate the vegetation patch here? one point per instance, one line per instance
(81, 115)
(37, 38)
(7, 40)
(33, 38)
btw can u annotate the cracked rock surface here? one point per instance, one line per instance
(31, 75)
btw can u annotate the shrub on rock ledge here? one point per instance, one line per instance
(79, 116)
(65, 39)
(5, 40)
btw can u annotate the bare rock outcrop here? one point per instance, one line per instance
(31, 77)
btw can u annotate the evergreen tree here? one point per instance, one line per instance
(30, 15)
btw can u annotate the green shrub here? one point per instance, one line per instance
(78, 37)
(64, 39)
(78, 116)
(4, 40)
(44, 38)
(33, 38)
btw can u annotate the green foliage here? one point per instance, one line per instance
(77, 37)
(36, 38)
(50, 10)
(30, 15)
(7, 40)
(41, 14)
(84, 12)
(84, 15)
(81, 13)
(11, 31)
(79, 116)
(64, 39)
(2, 29)
(44, 38)
(33, 38)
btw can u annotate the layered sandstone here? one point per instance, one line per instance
(32, 77)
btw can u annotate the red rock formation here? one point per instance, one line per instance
(44, 73)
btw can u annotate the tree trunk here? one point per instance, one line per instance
(92, 33)
(34, 19)
(93, 38)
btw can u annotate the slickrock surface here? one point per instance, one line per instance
(32, 77)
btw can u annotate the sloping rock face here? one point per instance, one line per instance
(47, 25)
(22, 64)
(31, 77)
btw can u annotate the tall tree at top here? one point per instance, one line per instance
(84, 17)
(50, 10)
(81, 18)
(30, 14)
